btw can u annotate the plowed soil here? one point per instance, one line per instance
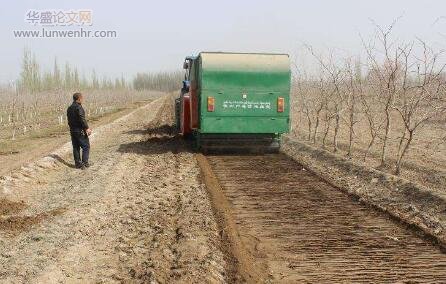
(309, 232)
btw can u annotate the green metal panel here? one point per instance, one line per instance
(226, 71)
(244, 103)
(259, 125)
(245, 88)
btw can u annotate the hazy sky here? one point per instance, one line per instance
(157, 35)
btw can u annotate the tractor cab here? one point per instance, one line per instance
(182, 104)
(188, 61)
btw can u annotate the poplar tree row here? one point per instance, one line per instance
(33, 79)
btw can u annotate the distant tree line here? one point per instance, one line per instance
(67, 77)
(22, 109)
(162, 81)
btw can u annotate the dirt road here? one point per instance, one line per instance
(139, 214)
(27, 148)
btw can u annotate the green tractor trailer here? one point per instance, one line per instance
(235, 100)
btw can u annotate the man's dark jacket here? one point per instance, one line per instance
(76, 118)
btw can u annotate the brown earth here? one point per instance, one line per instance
(15, 224)
(8, 207)
(243, 265)
(140, 214)
(308, 231)
(409, 202)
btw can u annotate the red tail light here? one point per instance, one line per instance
(280, 104)
(211, 104)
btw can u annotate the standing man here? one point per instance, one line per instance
(79, 131)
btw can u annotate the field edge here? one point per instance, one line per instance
(410, 203)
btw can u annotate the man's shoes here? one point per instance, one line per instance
(81, 167)
(87, 165)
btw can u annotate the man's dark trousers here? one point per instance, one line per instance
(79, 139)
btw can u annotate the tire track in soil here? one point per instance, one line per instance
(244, 265)
(309, 232)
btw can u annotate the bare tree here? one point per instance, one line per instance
(335, 78)
(373, 117)
(328, 118)
(420, 99)
(14, 115)
(385, 76)
(302, 99)
(398, 94)
(306, 108)
(320, 104)
(354, 89)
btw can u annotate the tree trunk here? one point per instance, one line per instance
(336, 131)
(316, 126)
(403, 153)
(386, 136)
(309, 129)
(367, 151)
(327, 129)
(400, 145)
(352, 124)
